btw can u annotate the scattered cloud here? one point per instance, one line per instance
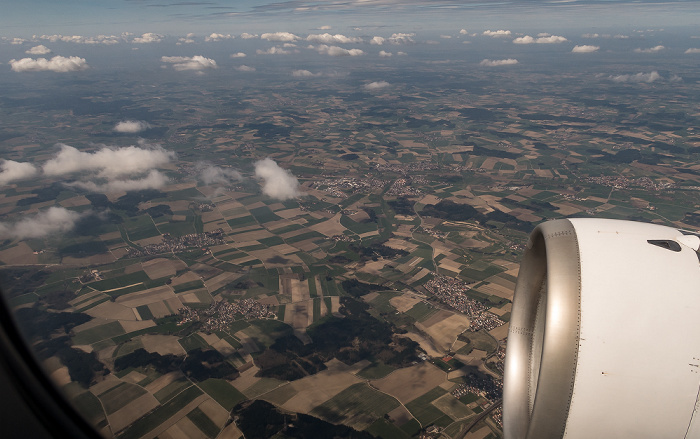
(245, 68)
(38, 50)
(187, 40)
(551, 39)
(377, 41)
(332, 39)
(463, 32)
(585, 49)
(654, 49)
(498, 62)
(210, 174)
(401, 53)
(107, 162)
(638, 77)
(590, 35)
(384, 54)
(621, 37)
(17, 41)
(148, 37)
(79, 39)
(338, 51)
(44, 223)
(497, 33)
(11, 170)
(280, 36)
(304, 74)
(326, 27)
(196, 62)
(446, 37)
(154, 180)
(58, 64)
(377, 85)
(238, 55)
(273, 51)
(401, 38)
(247, 36)
(131, 126)
(218, 37)
(278, 183)
(693, 50)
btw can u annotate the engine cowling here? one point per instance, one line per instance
(604, 337)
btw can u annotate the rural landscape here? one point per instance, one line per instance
(327, 244)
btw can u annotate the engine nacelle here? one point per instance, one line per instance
(604, 338)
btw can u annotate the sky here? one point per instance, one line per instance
(93, 17)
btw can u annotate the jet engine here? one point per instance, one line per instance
(604, 338)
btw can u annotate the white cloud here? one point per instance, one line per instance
(401, 38)
(245, 68)
(278, 183)
(326, 27)
(280, 36)
(181, 41)
(551, 39)
(238, 55)
(11, 170)
(377, 85)
(377, 41)
(384, 54)
(289, 45)
(218, 37)
(154, 180)
(196, 62)
(401, 53)
(590, 35)
(210, 174)
(148, 37)
(675, 78)
(498, 62)
(585, 49)
(446, 37)
(38, 50)
(273, 51)
(247, 36)
(79, 39)
(17, 41)
(654, 49)
(497, 33)
(338, 51)
(56, 64)
(52, 220)
(693, 50)
(621, 37)
(463, 32)
(304, 74)
(332, 39)
(638, 77)
(131, 126)
(107, 162)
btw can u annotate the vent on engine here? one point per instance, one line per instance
(665, 243)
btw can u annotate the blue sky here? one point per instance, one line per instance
(92, 17)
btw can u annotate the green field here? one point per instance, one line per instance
(160, 414)
(119, 396)
(421, 311)
(203, 423)
(359, 405)
(172, 389)
(222, 392)
(98, 333)
(422, 409)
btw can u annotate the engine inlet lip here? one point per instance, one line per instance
(536, 398)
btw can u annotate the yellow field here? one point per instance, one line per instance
(411, 382)
(319, 388)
